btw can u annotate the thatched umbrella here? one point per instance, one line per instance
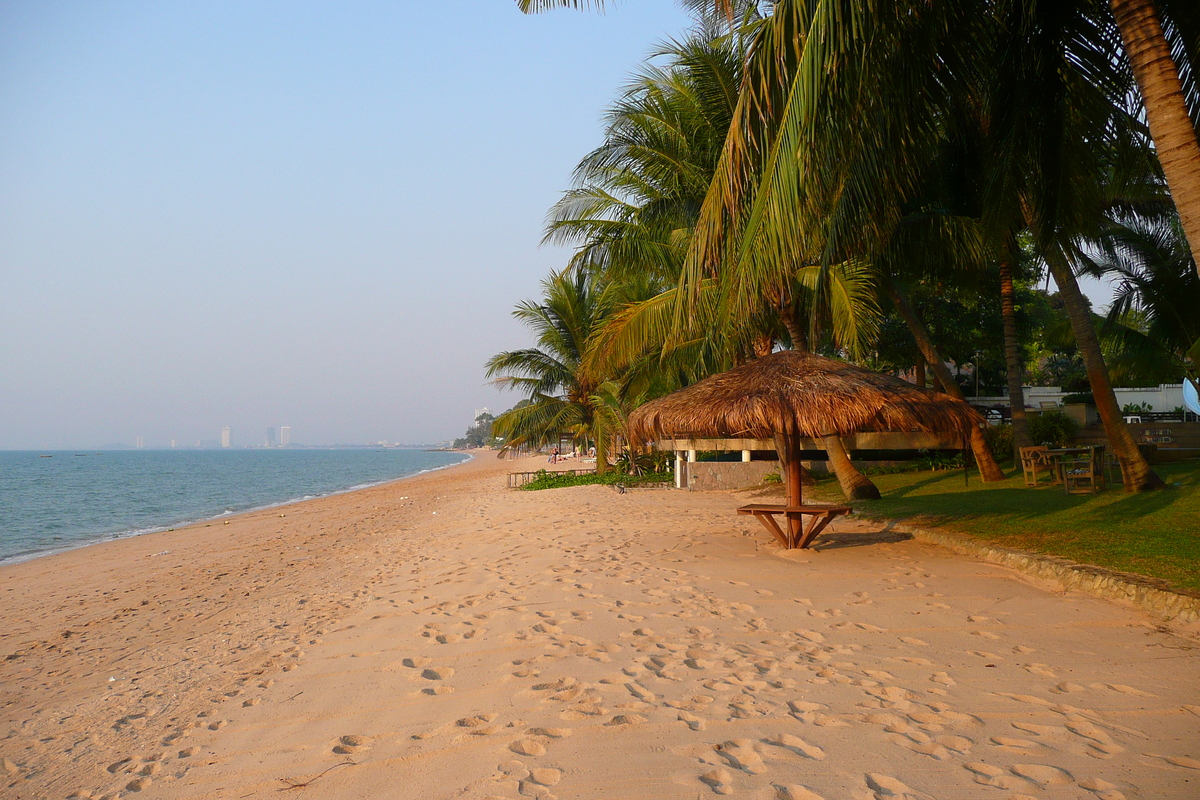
(793, 395)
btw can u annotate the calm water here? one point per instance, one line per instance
(50, 504)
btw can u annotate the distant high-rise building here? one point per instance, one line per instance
(285, 435)
(271, 436)
(139, 445)
(172, 444)
(479, 412)
(225, 441)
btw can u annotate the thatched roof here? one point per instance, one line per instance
(797, 394)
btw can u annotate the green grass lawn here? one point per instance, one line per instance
(1155, 534)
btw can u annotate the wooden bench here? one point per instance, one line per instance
(803, 536)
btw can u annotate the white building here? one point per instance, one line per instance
(225, 441)
(479, 412)
(285, 435)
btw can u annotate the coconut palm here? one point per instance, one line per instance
(1160, 38)
(1152, 326)
(563, 399)
(819, 164)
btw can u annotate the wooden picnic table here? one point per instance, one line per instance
(1056, 457)
(798, 536)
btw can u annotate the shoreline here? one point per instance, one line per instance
(102, 538)
(486, 643)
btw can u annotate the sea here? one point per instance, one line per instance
(60, 500)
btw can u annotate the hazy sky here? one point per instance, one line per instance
(311, 214)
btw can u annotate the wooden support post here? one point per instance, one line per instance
(794, 483)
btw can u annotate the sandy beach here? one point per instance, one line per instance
(443, 636)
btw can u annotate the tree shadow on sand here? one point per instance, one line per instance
(839, 540)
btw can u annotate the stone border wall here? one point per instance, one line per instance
(1146, 593)
(707, 476)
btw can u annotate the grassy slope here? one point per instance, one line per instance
(1155, 534)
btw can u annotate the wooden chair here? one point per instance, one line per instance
(1083, 475)
(1035, 461)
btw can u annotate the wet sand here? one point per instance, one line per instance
(444, 636)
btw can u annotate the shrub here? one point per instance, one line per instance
(1000, 441)
(552, 480)
(772, 477)
(653, 461)
(1054, 428)
(1135, 408)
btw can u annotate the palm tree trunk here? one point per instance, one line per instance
(601, 450)
(989, 470)
(795, 330)
(919, 372)
(1162, 94)
(1012, 355)
(1136, 473)
(855, 485)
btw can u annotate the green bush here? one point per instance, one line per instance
(553, 480)
(1080, 397)
(1000, 441)
(654, 461)
(1053, 427)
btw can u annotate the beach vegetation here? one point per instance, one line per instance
(1053, 428)
(889, 185)
(478, 435)
(562, 398)
(554, 480)
(1148, 534)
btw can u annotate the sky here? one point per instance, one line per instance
(283, 213)
(294, 213)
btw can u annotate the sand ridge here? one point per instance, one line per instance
(459, 639)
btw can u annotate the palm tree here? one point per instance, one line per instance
(1164, 67)
(1152, 328)
(819, 164)
(563, 398)
(1161, 41)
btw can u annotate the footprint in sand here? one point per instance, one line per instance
(1018, 744)
(719, 780)
(1042, 774)
(528, 747)
(352, 743)
(693, 722)
(885, 786)
(475, 721)
(795, 792)
(942, 678)
(1066, 687)
(1042, 670)
(1089, 731)
(1101, 788)
(796, 745)
(1123, 689)
(626, 719)
(989, 775)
